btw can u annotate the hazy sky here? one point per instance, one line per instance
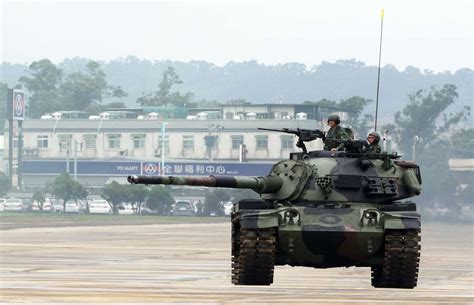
(434, 35)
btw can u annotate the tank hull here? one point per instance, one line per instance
(332, 235)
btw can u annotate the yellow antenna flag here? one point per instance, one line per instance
(382, 13)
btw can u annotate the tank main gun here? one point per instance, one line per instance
(261, 185)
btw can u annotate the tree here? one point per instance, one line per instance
(5, 184)
(115, 193)
(137, 194)
(38, 196)
(160, 199)
(66, 188)
(425, 118)
(79, 90)
(43, 86)
(163, 96)
(462, 143)
(213, 201)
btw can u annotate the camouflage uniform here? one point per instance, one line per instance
(335, 133)
(374, 149)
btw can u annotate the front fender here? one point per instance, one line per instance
(402, 221)
(254, 220)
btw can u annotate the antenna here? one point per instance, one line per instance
(378, 74)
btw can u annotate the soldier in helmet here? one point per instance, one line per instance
(373, 139)
(335, 132)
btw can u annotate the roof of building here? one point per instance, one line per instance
(69, 126)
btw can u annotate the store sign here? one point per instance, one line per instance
(18, 105)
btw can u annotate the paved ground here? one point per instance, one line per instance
(190, 263)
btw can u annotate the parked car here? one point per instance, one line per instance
(147, 211)
(2, 204)
(57, 205)
(183, 208)
(74, 207)
(126, 209)
(47, 205)
(99, 206)
(13, 205)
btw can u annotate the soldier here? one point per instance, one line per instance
(373, 139)
(335, 132)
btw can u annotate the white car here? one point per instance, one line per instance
(99, 206)
(57, 205)
(47, 206)
(13, 205)
(126, 209)
(2, 204)
(74, 207)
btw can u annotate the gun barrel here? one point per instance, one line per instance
(261, 185)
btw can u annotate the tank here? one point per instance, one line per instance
(324, 209)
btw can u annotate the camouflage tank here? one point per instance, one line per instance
(324, 209)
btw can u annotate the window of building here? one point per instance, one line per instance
(90, 141)
(139, 141)
(286, 142)
(262, 142)
(229, 115)
(237, 141)
(42, 141)
(188, 142)
(114, 141)
(167, 142)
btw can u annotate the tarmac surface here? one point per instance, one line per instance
(190, 263)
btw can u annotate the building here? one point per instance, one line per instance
(141, 142)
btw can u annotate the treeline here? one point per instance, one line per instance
(258, 83)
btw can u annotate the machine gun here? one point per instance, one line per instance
(304, 135)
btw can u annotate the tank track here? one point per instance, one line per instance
(253, 255)
(401, 260)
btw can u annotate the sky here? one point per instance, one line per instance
(433, 35)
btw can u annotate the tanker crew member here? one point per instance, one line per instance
(335, 132)
(373, 139)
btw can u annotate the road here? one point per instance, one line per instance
(190, 263)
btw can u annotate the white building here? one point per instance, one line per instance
(142, 139)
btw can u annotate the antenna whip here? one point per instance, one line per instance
(378, 74)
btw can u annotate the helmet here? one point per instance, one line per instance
(375, 135)
(334, 117)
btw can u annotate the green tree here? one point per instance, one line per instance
(426, 118)
(164, 96)
(79, 90)
(160, 198)
(43, 87)
(5, 184)
(66, 188)
(38, 196)
(213, 201)
(137, 195)
(115, 193)
(462, 143)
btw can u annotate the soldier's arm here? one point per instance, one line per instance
(344, 137)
